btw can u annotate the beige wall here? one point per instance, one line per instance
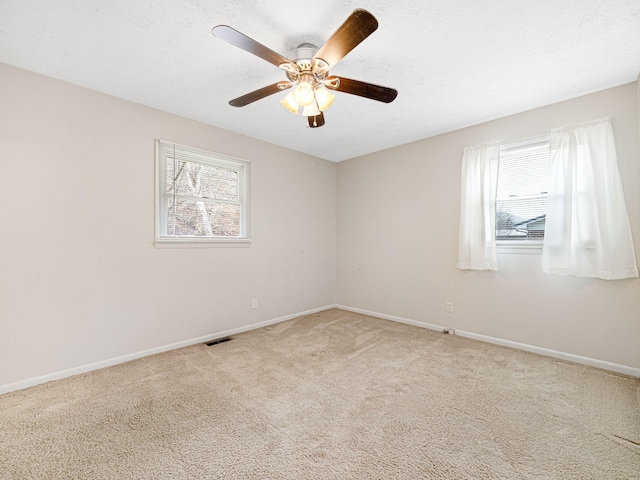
(81, 282)
(397, 228)
(80, 279)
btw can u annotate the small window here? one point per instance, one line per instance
(521, 200)
(200, 196)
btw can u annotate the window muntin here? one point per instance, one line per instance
(521, 199)
(201, 196)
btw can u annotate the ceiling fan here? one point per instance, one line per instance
(307, 69)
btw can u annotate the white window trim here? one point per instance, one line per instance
(162, 241)
(521, 247)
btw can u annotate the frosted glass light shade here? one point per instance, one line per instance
(324, 98)
(311, 110)
(303, 94)
(289, 103)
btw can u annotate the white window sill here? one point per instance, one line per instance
(172, 242)
(519, 247)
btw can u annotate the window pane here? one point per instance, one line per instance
(521, 218)
(201, 196)
(200, 219)
(199, 180)
(521, 200)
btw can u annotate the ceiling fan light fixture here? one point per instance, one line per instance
(289, 103)
(311, 110)
(324, 98)
(303, 94)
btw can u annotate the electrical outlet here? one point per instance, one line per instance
(449, 307)
(254, 303)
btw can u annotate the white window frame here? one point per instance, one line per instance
(521, 246)
(161, 198)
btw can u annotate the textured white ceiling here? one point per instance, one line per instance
(454, 63)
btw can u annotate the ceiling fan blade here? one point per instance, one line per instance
(240, 40)
(257, 95)
(367, 90)
(316, 121)
(354, 30)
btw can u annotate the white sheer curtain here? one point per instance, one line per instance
(477, 241)
(587, 231)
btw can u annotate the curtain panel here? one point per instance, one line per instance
(587, 226)
(477, 235)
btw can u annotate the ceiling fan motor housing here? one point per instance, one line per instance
(303, 54)
(304, 58)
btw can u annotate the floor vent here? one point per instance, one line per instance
(217, 341)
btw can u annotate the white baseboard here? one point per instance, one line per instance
(392, 317)
(30, 382)
(613, 367)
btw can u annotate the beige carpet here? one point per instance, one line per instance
(335, 395)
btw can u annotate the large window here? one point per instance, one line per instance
(200, 196)
(521, 199)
